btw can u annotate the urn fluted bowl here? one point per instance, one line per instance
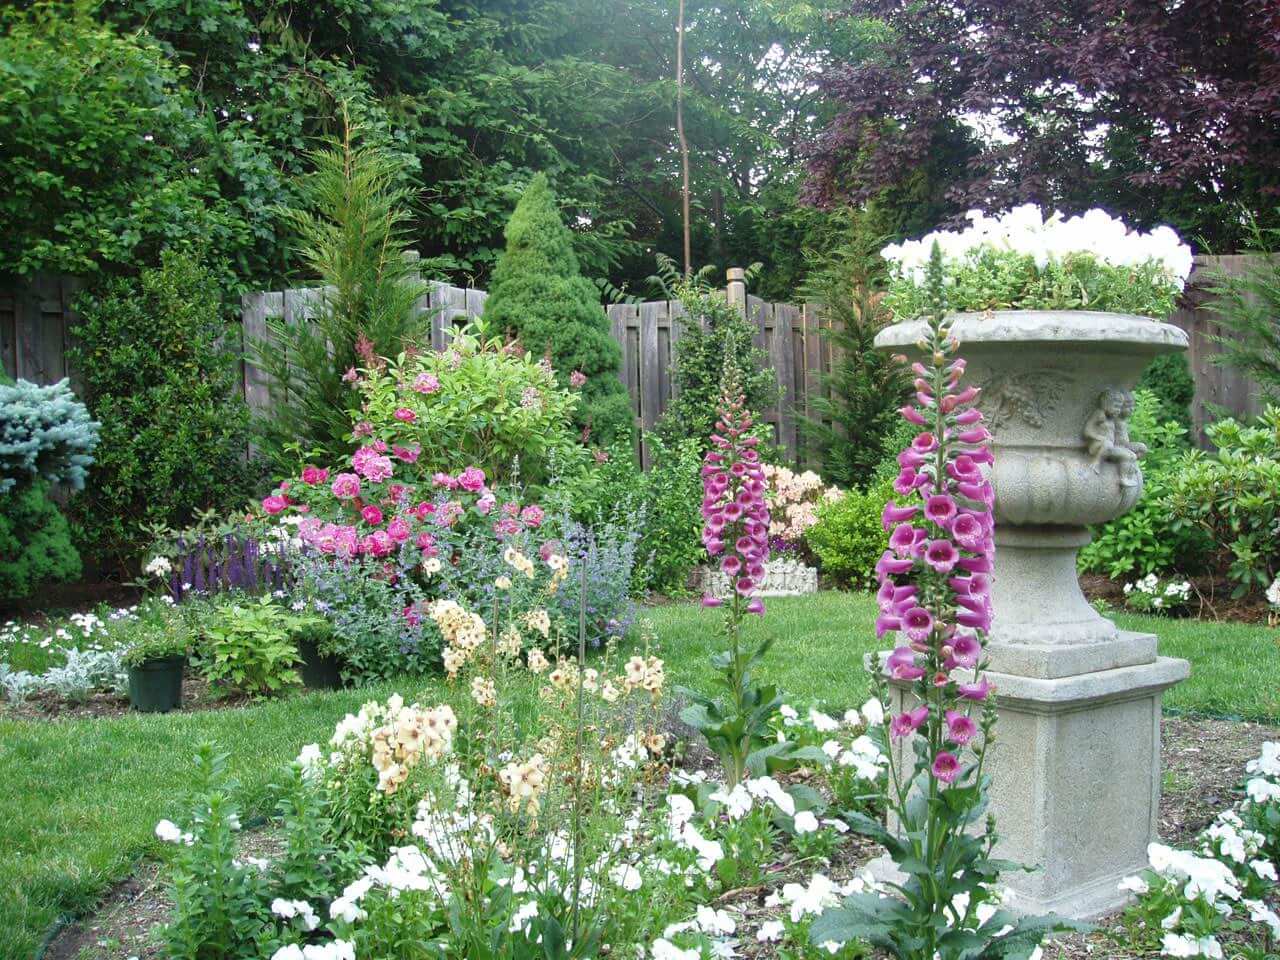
(1056, 394)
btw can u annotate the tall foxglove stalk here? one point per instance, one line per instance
(935, 596)
(736, 536)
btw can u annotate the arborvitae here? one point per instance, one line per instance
(538, 295)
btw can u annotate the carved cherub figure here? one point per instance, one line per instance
(1107, 431)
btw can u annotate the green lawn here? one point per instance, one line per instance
(79, 799)
(818, 654)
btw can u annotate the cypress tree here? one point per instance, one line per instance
(538, 295)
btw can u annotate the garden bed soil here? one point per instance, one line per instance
(1211, 598)
(124, 927)
(197, 695)
(1203, 763)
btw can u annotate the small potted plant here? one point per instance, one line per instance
(156, 662)
(321, 668)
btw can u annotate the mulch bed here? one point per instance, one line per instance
(1203, 763)
(197, 695)
(1211, 598)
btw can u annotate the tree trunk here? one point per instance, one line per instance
(684, 144)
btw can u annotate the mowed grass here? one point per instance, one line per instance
(79, 799)
(820, 643)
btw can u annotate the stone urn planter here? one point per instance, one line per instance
(782, 578)
(1076, 769)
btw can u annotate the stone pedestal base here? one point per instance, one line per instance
(1076, 778)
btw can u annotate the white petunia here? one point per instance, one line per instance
(805, 822)
(821, 722)
(770, 931)
(1134, 884)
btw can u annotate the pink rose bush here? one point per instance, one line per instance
(411, 541)
(476, 406)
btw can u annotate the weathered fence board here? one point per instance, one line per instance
(37, 328)
(1218, 386)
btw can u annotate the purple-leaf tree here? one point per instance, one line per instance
(1161, 112)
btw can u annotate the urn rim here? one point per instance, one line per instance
(1045, 326)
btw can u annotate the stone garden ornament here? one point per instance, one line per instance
(1076, 770)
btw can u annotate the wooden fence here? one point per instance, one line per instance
(648, 333)
(37, 326)
(1218, 386)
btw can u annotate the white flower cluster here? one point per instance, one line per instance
(1156, 594)
(1026, 230)
(1273, 593)
(1227, 871)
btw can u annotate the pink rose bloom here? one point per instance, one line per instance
(396, 492)
(424, 510)
(314, 475)
(425, 541)
(398, 530)
(426, 383)
(345, 486)
(506, 527)
(444, 480)
(511, 509)
(577, 379)
(274, 504)
(486, 503)
(471, 479)
(532, 516)
(405, 415)
(378, 469)
(377, 544)
(407, 454)
(372, 515)
(363, 429)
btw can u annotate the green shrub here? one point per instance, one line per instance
(1169, 378)
(857, 412)
(476, 404)
(35, 542)
(538, 295)
(849, 536)
(173, 426)
(351, 235)
(1145, 541)
(671, 544)
(1247, 306)
(250, 647)
(1230, 498)
(713, 334)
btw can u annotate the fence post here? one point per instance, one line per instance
(736, 288)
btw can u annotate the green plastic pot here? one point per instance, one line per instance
(319, 671)
(155, 686)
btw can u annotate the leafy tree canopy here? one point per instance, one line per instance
(196, 118)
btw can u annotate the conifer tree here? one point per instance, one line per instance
(538, 295)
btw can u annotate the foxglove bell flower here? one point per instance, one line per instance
(735, 512)
(935, 576)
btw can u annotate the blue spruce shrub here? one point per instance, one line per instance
(46, 434)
